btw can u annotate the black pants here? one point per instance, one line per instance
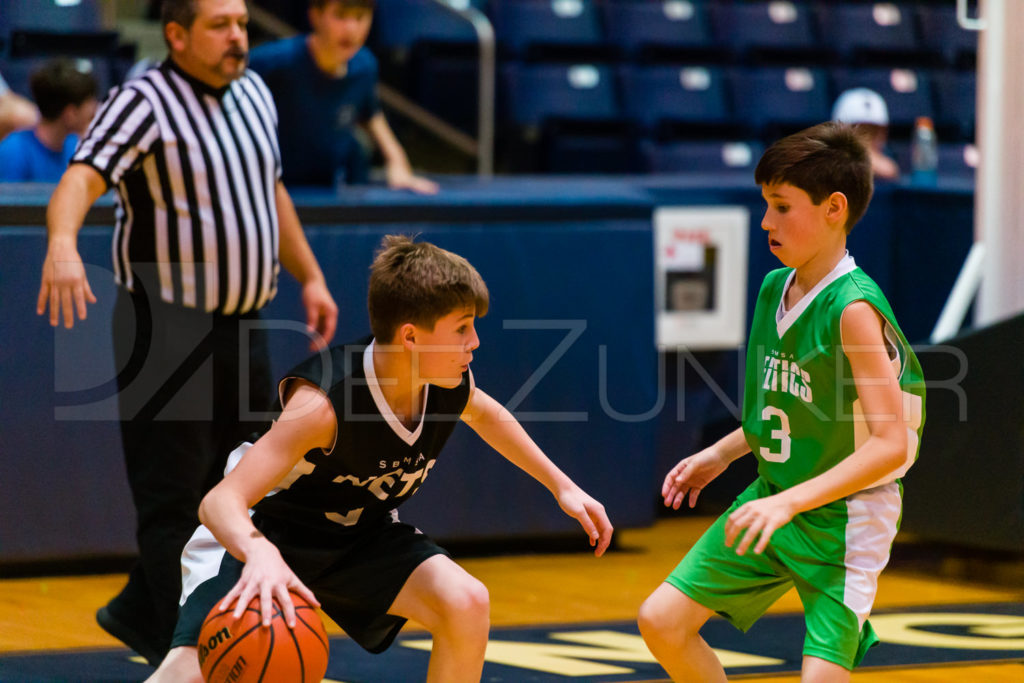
(191, 385)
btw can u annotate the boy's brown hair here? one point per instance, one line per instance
(826, 158)
(420, 283)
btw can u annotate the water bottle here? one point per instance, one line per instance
(924, 153)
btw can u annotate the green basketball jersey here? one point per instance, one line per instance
(801, 413)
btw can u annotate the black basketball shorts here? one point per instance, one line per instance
(356, 577)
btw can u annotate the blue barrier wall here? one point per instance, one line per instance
(569, 343)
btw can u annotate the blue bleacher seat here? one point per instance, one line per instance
(768, 29)
(956, 159)
(870, 33)
(907, 92)
(656, 95)
(401, 24)
(569, 151)
(448, 86)
(562, 118)
(56, 27)
(941, 34)
(534, 93)
(955, 101)
(660, 28)
(430, 54)
(59, 16)
(546, 28)
(700, 156)
(776, 100)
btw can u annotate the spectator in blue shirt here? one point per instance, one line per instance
(66, 97)
(324, 85)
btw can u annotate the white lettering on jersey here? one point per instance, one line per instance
(355, 481)
(301, 468)
(785, 375)
(394, 484)
(347, 519)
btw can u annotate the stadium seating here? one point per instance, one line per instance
(660, 96)
(57, 27)
(700, 156)
(670, 30)
(537, 92)
(563, 118)
(772, 101)
(956, 159)
(955, 97)
(690, 69)
(942, 35)
(907, 92)
(876, 33)
(410, 22)
(64, 16)
(430, 54)
(768, 31)
(545, 29)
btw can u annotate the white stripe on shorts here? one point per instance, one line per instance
(201, 558)
(872, 518)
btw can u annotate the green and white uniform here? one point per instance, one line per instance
(801, 417)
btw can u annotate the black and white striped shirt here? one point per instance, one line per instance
(195, 169)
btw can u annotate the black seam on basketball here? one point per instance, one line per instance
(312, 629)
(270, 649)
(298, 652)
(236, 640)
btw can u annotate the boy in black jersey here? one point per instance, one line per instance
(360, 429)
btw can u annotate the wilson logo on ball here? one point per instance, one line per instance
(212, 642)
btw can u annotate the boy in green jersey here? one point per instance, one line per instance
(833, 408)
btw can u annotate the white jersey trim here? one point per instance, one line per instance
(784, 319)
(384, 408)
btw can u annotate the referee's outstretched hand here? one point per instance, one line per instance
(321, 313)
(64, 284)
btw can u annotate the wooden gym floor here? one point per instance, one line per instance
(52, 614)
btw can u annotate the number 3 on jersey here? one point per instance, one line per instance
(781, 435)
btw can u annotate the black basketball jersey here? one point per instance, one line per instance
(375, 464)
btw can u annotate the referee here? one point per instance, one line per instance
(203, 226)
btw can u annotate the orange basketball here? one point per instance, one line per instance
(244, 651)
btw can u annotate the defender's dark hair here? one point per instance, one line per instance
(826, 158)
(420, 283)
(58, 83)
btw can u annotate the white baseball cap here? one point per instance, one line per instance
(861, 105)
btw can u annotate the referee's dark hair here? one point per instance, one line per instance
(182, 12)
(58, 83)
